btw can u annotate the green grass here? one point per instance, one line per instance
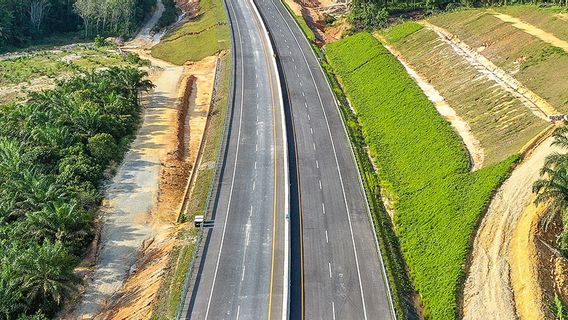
(52, 64)
(201, 37)
(401, 31)
(423, 162)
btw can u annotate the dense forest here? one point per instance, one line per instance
(54, 150)
(24, 20)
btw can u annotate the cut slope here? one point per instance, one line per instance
(423, 160)
(538, 65)
(552, 20)
(497, 118)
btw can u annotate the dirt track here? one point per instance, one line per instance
(488, 290)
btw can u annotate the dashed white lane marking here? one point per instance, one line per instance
(306, 104)
(257, 84)
(238, 311)
(333, 309)
(323, 207)
(303, 94)
(253, 185)
(243, 275)
(298, 75)
(295, 67)
(256, 147)
(311, 130)
(250, 213)
(257, 94)
(317, 164)
(300, 83)
(329, 265)
(326, 238)
(320, 184)
(309, 118)
(255, 165)
(314, 146)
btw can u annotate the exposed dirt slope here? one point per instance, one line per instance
(488, 290)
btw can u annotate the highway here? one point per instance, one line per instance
(242, 272)
(342, 275)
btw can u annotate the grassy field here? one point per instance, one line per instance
(201, 37)
(423, 163)
(497, 119)
(538, 65)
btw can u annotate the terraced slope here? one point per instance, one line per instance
(422, 162)
(552, 20)
(537, 64)
(501, 122)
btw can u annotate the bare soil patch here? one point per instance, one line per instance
(488, 292)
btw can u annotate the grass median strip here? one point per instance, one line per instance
(422, 165)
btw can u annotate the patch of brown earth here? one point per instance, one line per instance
(138, 295)
(314, 12)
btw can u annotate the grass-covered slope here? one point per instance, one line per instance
(422, 161)
(198, 38)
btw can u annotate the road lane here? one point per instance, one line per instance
(241, 273)
(342, 274)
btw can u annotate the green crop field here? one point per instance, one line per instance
(198, 38)
(401, 31)
(424, 164)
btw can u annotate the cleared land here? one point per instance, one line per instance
(500, 121)
(205, 34)
(552, 20)
(422, 161)
(21, 73)
(540, 66)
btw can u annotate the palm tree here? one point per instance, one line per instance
(552, 187)
(48, 273)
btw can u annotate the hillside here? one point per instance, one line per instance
(496, 82)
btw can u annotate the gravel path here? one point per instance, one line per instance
(488, 292)
(131, 195)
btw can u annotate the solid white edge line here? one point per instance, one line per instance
(234, 168)
(371, 221)
(286, 273)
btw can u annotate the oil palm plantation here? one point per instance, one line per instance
(552, 187)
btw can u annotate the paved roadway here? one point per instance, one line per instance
(240, 274)
(343, 275)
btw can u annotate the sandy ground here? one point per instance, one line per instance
(524, 269)
(131, 196)
(125, 218)
(462, 128)
(539, 107)
(145, 38)
(488, 290)
(532, 30)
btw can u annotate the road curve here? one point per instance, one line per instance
(241, 273)
(342, 276)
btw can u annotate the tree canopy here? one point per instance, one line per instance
(54, 149)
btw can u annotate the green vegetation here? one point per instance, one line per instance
(58, 63)
(400, 31)
(27, 21)
(202, 36)
(502, 123)
(172, 286)
(552, 187)
(538, 65)
(54, 150)
(169, 16)
(422, 165)
(550, 19)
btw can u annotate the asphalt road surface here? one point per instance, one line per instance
(343, 275)
(241, 271)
